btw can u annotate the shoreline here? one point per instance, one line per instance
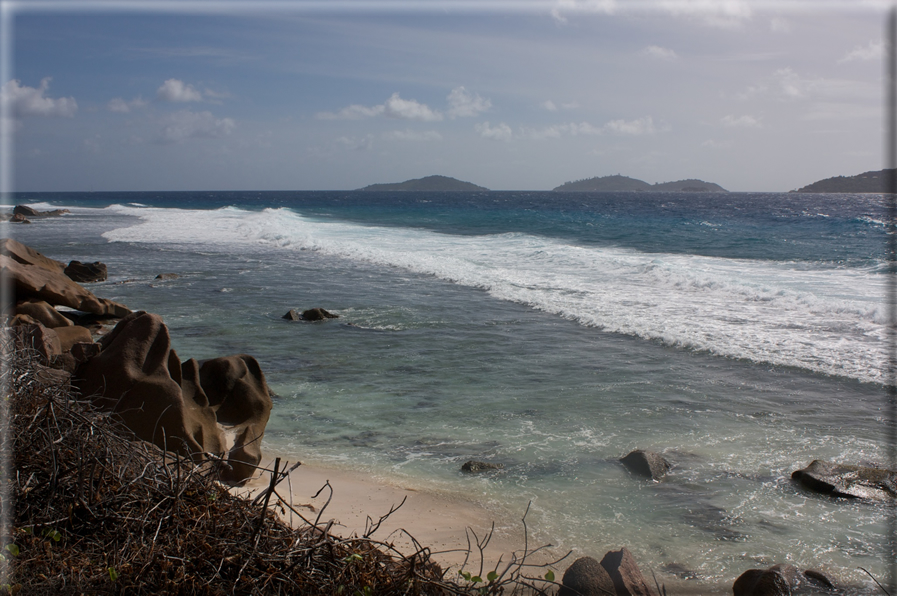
(440, 522)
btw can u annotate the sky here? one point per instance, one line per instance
(120, 96)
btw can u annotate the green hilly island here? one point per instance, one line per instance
(429, 183)
(873, 181)
(619, 183)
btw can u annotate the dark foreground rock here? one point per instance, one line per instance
(238, 393)
(625, 573)
(165, 276)
(646, 463)
(480, 466)
(186, 407)
(781, 580)
(43, 313)
(847, 481)
(37, 278)
(586, 577)
(86, 272)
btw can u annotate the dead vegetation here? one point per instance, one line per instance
(98, 512)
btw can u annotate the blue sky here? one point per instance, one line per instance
(508, 95)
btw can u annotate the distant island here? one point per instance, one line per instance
(625, 183)
(873, 182)
(429, 183)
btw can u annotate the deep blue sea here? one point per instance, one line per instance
(740, 334)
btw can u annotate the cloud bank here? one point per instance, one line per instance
(183, 125)
(461, 104)
(177, 91)
(27, 101)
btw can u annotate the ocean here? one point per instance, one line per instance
(741, 335)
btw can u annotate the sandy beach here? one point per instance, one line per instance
(438, 521)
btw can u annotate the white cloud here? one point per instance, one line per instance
(409, 109)
(26, 101)
(786, 84)
(581, 6)
(394, 107)
(724, 14)
(874, 50)
(413, 135)
(121, 106)
(660, 53)
(364, 143)
(463, 104)
(745, 121)
(183, 125)
(790, 84)
(500, 132)
(503, 132)
(353, 112)
(178, 91)
(840, 111)
(211, 95)
(553, 107)
(554, 132)
(779, 25)
(639, 126)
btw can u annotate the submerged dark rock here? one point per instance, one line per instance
(164, 276)
(317, 314)
(480, 466)
(26, 211)
(293, 315)
(646, 463)
(847, 481)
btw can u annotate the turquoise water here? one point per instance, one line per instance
(741, 335)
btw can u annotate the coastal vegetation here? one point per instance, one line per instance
(429, 183)
(874, 181)
(619, 183)
(599, 184)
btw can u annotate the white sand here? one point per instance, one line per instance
(440, 522)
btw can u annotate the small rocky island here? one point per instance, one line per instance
(429, 183)
(619, 183)
(872, 182)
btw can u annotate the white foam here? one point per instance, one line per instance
(820, 318)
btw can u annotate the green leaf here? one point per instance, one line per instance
(476, 579)
(550, 575)
(113, 574)
(465, 575)
(52, 533)
(492, 576)
(13, 549)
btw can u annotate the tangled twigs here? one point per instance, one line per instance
(100, 512)
(513, 578)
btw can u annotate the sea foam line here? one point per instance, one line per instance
(786, 314)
